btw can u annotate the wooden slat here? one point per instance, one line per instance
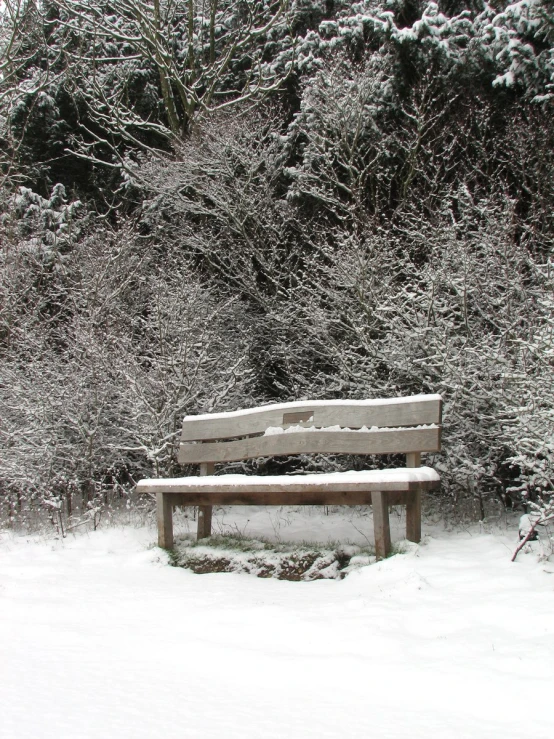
(409, 411)
(228, 484)
(314, 442)
(287, 497)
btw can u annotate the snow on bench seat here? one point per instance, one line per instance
(399, 478)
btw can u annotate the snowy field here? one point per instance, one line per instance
(100, 638)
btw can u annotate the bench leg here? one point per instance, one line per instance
(381, 525)
(413, 507)
(204, 522)
(164, 510)
(413, 517)
(204, 528)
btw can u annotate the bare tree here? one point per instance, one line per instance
(205, 54)
(25, 73)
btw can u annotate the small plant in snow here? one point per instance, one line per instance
(532, 524)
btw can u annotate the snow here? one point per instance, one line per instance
(398, 474)
(297, 428)
(100, 638)
(314, 404)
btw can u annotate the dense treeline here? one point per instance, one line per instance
(207, 206)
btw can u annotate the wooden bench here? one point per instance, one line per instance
(407, 426)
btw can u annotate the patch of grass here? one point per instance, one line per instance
(233, 542)
(285, 561)
(403, 547)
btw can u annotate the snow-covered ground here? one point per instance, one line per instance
(100, 638)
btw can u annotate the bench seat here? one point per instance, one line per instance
(378, 488)
(226, 487)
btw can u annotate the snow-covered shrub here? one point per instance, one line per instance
(221, 202)
(104, 348)
(537, 525)
(511, 46)
(384, 228)
(362, 264)
(343, 135)
(46, 222)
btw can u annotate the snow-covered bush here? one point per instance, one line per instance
(510, 46)
(537, 525)
(103, 349)
(354, 293)
(46, 222)
(383, 227)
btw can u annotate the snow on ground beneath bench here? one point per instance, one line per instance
(100, 638)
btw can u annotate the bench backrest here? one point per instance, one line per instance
(381, 426)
